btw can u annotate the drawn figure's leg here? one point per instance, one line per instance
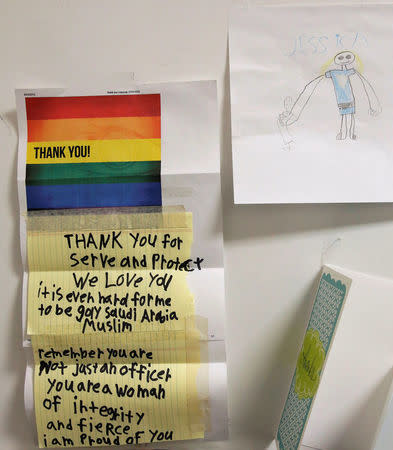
(343, 128)
(352, 134)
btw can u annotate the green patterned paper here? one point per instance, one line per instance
(332, 292)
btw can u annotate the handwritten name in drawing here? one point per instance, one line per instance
(318, 44)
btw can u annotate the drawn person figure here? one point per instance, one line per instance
(341, 80)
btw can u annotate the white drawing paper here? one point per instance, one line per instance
(311, 102)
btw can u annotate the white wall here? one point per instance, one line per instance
(272, 253)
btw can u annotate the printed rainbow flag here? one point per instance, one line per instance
(93, 151)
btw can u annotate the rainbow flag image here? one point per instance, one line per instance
(93, 151)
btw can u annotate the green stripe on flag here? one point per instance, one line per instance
(90, 173)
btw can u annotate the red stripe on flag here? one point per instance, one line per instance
(93, 106)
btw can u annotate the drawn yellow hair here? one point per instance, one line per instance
(358, 63)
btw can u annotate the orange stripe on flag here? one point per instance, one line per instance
(94, 128)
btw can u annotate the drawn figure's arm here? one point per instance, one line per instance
(292, 114)
(373, 100)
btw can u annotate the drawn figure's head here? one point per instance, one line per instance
(344, 58)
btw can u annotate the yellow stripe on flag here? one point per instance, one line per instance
(114, 150)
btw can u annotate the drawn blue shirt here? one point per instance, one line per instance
(342, 85)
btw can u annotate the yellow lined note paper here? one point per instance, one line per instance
(116, 280)
(136, 241)
(112, 323)
(114, 301)
(113, 390)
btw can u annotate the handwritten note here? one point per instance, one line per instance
(101, 390)
(122, 280)
(112, 324)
